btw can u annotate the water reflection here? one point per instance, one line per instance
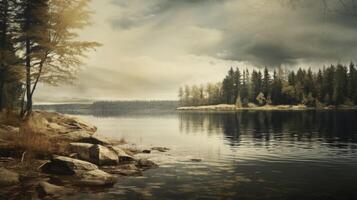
(332, 127)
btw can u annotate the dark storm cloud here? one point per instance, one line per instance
(260, 32)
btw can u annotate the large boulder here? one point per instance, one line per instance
(8, 178)
(96, 178)
(61, 165)
(82, 150)
(95, 153)
(85, 173)
(102, 155)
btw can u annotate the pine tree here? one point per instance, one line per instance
(319, 86)
(266, 82)
(10, 71)
(237, 83)
(228, 87)
(256, 81)
(352, 83)
(181, 96)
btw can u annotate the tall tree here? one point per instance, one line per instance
(328, 84)
(181, 96)
(49, 39)
(276, 89)
(340, 85)
(244, 93)
(319, 86)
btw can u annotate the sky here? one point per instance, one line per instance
(152, 47)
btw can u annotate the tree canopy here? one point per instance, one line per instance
(40, 42)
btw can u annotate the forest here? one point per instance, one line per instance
(334, 85)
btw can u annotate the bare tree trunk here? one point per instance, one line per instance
(1, 95)
(22, 111)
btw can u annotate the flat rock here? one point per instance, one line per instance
(8, 178)
(74, 135)
(58, 125)
(61, 165)
(95, 139)
(95, 178)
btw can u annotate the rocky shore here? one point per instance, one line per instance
(51, 155)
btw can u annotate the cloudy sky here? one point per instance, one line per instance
(151, 47)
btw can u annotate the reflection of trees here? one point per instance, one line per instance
(264, 126)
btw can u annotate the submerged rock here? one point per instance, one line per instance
(124, 170)
(196, 160)
(61, 165)
(161, 149)
(8, 178)
(146, 164)
(52, 190)
(146, 151)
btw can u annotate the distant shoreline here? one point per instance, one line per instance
(227, 107)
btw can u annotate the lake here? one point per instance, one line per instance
(245, 155)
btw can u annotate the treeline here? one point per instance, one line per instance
(39, 43)
(123, 106)
(333, 85)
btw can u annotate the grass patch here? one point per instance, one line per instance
(36, 145)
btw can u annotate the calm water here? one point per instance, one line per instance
(245, 155)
